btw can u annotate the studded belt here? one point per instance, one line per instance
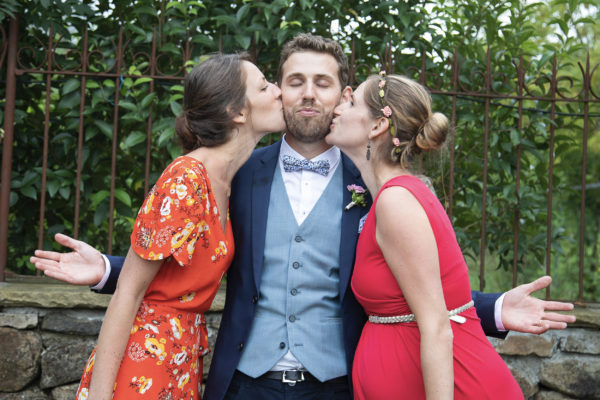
(395, 319)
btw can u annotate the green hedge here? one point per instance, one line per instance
(391, 35)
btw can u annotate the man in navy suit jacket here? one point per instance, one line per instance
(312, 73)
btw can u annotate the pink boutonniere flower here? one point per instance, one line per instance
(358, 196)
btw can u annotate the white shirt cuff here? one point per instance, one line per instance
(100, 285)
(498, 313)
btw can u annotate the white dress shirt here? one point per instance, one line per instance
(305, 187)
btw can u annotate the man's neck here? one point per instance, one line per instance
(308, 150)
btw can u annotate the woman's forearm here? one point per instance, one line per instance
(116, 328)
(112, 342)
(437, 363)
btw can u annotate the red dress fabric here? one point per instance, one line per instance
(387, 364)
(178, 223)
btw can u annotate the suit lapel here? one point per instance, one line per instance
(350, 220)
(262, 180)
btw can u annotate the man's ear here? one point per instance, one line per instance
(346, 94)
(380, 126)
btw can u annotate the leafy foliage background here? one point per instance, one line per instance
(391, 35)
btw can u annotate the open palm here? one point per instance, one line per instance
(524, 313)
(83, 266)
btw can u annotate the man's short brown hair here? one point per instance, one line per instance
(318, 44)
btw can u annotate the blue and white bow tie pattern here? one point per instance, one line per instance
(291, 164)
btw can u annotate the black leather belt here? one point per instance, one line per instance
(290, 376)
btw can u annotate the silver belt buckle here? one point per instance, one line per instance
(292, 382)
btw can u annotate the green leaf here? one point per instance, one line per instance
(128, 105)
(139, 81)
(90, 132)
(281, 36)
(176, 108)
(63, 173)
(139, 10)
(134, 138)
(70, 85)
(545, 57)
(405, 19)
(101, 214)
(131, 116)
(65, 192)
(147, 100)
(242, 12)
(133, 70)
(97, 98)
(586, 20)
(91, 84)
(30, 178)
(98, 197)
(169, 48)
(52, 187)
(123, 197)
(70, 100)
(506, 168)
(178, 5)
(105, 128)
(224, 20)
(126, 84)
(243, 41)
(29, 191)
(389, 19)
(14, 198)
(166, 136)
(515, 137)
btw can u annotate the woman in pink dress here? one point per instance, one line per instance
(423, 338)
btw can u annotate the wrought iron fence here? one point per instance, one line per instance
(519, 89)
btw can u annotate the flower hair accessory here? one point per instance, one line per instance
(386, 110)
(358, 196)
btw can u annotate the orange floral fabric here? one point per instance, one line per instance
(178, 223)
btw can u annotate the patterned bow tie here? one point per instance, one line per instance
(291, 164)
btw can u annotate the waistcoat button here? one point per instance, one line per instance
(292, 318)
(298, 238)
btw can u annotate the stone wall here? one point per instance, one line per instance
(47, 331)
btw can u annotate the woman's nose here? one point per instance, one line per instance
(276, 90)
(337, 111)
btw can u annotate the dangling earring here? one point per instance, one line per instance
(368, 150)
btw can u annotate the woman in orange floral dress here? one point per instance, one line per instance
(154, 333)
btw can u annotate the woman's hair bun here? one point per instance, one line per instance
(433, 132)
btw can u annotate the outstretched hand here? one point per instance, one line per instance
(524, 313)
(83, 266)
